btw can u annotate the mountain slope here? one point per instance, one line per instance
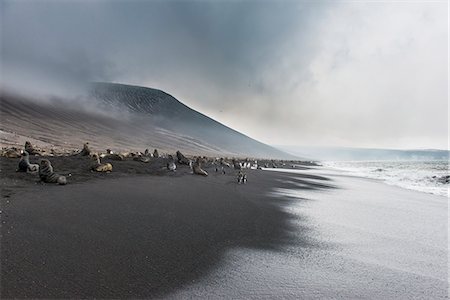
(128, 118)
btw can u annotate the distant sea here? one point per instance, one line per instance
(423, 176)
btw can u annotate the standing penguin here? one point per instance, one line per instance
(242, 178)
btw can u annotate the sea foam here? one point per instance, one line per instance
(425, 176)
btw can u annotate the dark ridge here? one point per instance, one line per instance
(179, 117)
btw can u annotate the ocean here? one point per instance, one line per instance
(425, 176)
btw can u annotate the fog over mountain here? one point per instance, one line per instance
(123, 117)
(357, 74)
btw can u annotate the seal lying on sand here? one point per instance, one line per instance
(86, 151)
(197, 168)
(30, 149)
(11, 153)
(171, 166)
(224, 163)
(113, 156)
(97, 166)
(182, 159)
(24, 164)
(47, 175)
(141, 158)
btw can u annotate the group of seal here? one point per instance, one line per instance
(11, 153)
(44, 169)
(47, 174)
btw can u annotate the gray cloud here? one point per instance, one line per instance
(350, 74)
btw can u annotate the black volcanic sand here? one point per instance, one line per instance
(138, 232)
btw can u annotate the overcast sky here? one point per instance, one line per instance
(364, 74)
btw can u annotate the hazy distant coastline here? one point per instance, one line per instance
(365, 154)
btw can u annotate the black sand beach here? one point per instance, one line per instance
(137, 232)
(144, 232)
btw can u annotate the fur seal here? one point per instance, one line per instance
(30, 149)
(182, 159)
(171, 166)
(155, 153)
(11, 153)
(113, 156)
(86, 150)
(141, 158)
(47, 175)
(197, 168)
(236, 164)
(224, 163)
(24, 164)
(97, 166)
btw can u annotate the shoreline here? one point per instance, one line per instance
(135, 235)
(329, 171)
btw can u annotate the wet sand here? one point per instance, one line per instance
(129, 234)
(371, 241)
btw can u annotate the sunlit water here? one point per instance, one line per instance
(424, 176)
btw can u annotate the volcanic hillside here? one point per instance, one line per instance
(123, 117)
